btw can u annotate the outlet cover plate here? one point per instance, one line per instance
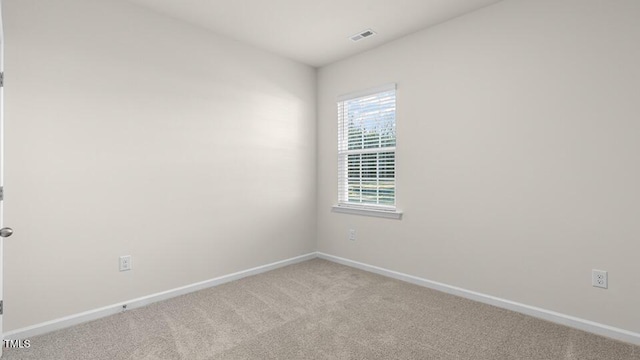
(125, 263)
(599, 278)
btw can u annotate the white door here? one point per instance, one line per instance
(1, 169)
(4, 232)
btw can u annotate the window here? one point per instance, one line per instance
(367, 150)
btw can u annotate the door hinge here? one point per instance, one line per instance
(1, 307)
(1, 193)
(2, 79)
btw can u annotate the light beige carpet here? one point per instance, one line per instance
(321, 310)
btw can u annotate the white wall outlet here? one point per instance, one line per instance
(125, 263)
(352, 234)
(599, 278)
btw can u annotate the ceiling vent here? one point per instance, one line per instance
(361, 35)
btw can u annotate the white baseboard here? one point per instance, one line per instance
(567, 320)
(61, 323)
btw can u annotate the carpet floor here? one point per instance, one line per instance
(321, 310)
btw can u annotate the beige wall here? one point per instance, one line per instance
(518, 142)
(131, 133)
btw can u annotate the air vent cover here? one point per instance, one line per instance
(361, 35)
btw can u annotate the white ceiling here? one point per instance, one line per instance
(314, 32)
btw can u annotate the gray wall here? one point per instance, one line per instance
(131, 133)
(518, 142)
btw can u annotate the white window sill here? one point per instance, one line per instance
(388, 214)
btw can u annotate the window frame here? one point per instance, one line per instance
(364, 208)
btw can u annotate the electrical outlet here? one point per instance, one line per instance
(599, 278)
(352, 234)
(125, 263)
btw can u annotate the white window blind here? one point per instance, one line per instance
(367, 149)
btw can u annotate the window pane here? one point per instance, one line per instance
(367, 123)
